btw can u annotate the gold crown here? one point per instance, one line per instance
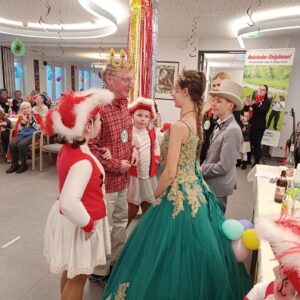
(122, 65)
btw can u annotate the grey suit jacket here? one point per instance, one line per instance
(219, 169)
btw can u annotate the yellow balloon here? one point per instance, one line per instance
(250, 239)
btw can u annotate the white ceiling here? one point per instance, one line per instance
(177, 18)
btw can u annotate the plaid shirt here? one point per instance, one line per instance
(115, 118)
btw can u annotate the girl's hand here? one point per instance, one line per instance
(105, 153)
(157, 201)
(89, 234)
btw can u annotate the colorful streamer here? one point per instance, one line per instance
(141, 52)
(154, 46)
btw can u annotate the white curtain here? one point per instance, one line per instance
(8, 70)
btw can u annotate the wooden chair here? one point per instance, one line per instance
(34, 143)
(51, 147)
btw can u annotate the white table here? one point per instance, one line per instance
(264, 192)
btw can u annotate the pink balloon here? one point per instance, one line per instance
(240, 251)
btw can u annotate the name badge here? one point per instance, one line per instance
(206, 125)
(124, 136)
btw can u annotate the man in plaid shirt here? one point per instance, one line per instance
(116, 135)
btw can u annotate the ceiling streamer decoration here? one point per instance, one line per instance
(42, 18)
(141, 53)
(18, 47)
(250, 11)
(193, 39)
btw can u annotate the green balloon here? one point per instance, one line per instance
(17, 47)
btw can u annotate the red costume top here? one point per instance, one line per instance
(92, 198)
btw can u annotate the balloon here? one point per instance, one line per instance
(81, 79)
(246, 224)
(232, 229)
(58, 78)
(17, 47)
(250, 239)
(240, 251)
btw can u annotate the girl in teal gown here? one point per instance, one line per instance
(178, 250)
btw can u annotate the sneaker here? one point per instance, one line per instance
(22, 169)
(12, 169)
(238, 163)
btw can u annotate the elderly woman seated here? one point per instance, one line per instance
(26, 125)
(40, 107)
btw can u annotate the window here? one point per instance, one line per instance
(18, 75)
(54, 78)
(84, 78)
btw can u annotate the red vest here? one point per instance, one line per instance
(92, 198)
(153, 158)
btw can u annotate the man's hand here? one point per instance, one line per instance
(125, 166)
(105, 153)
(134, 157)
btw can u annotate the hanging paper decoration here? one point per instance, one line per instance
(140, 46)
(45, 63)
(18, 47)
(81, 79)
(154, 46)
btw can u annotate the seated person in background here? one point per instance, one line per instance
(4, 101)
(26, 125)
(17, 101)
(5, 126)
(40, 107)
(277, 106)
(46, 99)
(218, 168)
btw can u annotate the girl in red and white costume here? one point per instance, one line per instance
(77, 238)
(284, 238)
(143, 180)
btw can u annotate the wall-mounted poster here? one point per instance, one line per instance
(272, 67)
(167, 72)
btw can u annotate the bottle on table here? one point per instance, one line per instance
(290, 163)
(281, 186)
(288, 203)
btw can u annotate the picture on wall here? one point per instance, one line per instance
(167, 72)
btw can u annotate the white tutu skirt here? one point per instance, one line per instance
(65, 246)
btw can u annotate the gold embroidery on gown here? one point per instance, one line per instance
(121, 294)
(185, 186)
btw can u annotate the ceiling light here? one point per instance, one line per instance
(267, 26)
(264, 15)
(105, 25)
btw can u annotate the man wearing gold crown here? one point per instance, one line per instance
(116, 135)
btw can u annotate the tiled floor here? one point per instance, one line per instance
(25, 202)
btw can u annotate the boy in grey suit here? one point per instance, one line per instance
(218, 168)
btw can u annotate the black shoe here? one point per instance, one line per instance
(244, 165)
(22, 169)
(238, 163)
(12, 169)
(101, 280)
